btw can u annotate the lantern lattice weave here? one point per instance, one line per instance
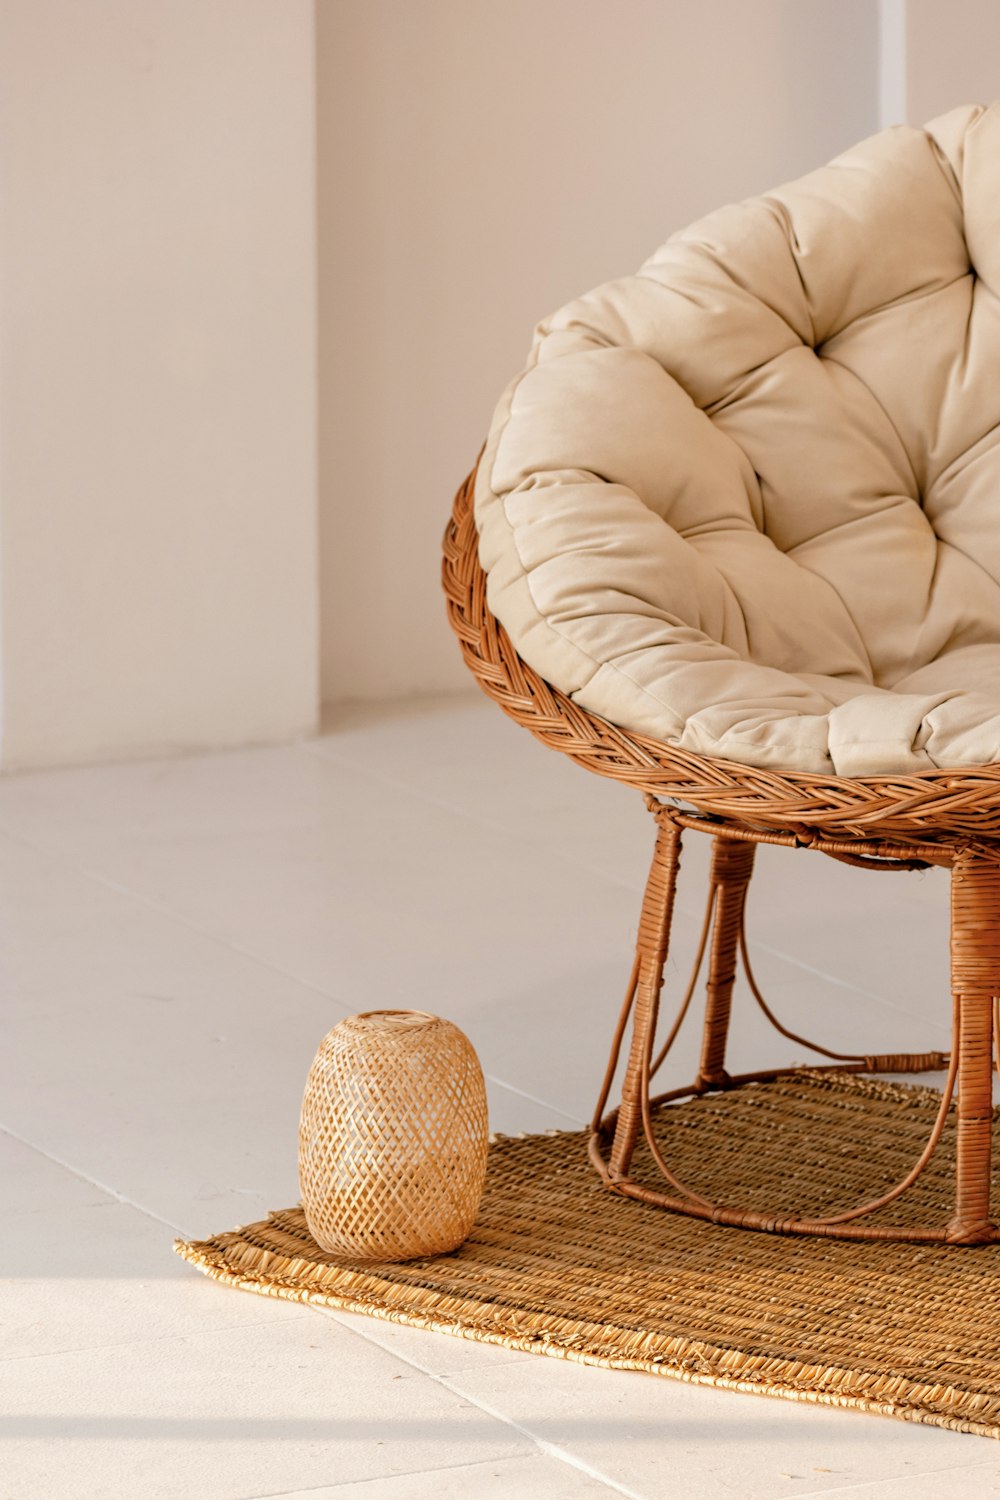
(393, 1137)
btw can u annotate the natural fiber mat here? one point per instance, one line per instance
(558, 1265)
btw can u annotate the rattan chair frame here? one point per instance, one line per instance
(884, 823)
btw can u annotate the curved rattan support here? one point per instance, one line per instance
(886, 823)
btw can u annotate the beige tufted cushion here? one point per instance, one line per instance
(747, 501)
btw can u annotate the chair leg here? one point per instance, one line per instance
(975, 966)
(732, 867)
(651, 953)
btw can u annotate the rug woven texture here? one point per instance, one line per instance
(558, 1265)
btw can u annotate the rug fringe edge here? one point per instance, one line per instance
(851, 1392)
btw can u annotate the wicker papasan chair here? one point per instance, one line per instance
(734, 540)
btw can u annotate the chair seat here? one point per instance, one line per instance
(746, 502)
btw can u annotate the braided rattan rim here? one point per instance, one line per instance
(950, 806)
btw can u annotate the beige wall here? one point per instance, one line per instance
(157, 375)
(952, 54)
(480, 163)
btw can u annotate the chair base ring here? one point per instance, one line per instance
(969, 1064)
(774, 1223)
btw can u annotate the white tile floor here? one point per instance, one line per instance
(175, 938)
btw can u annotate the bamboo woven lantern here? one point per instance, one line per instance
(393, 1137)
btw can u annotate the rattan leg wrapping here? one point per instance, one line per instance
(732, 867)
(975, 967)
(651, 953)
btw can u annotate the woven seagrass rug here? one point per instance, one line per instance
(558, 1265)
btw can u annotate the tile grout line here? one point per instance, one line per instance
(311, 748)
(512, 1088)
(76, 865)
(493, 824)
(160, 1338)
(529, 843)
(350, 1320)
(550, 1450)
(148, 902)
(118, 1197)
(842, 984)
(511, 1458)
(103, 1187)
(874, 1485)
